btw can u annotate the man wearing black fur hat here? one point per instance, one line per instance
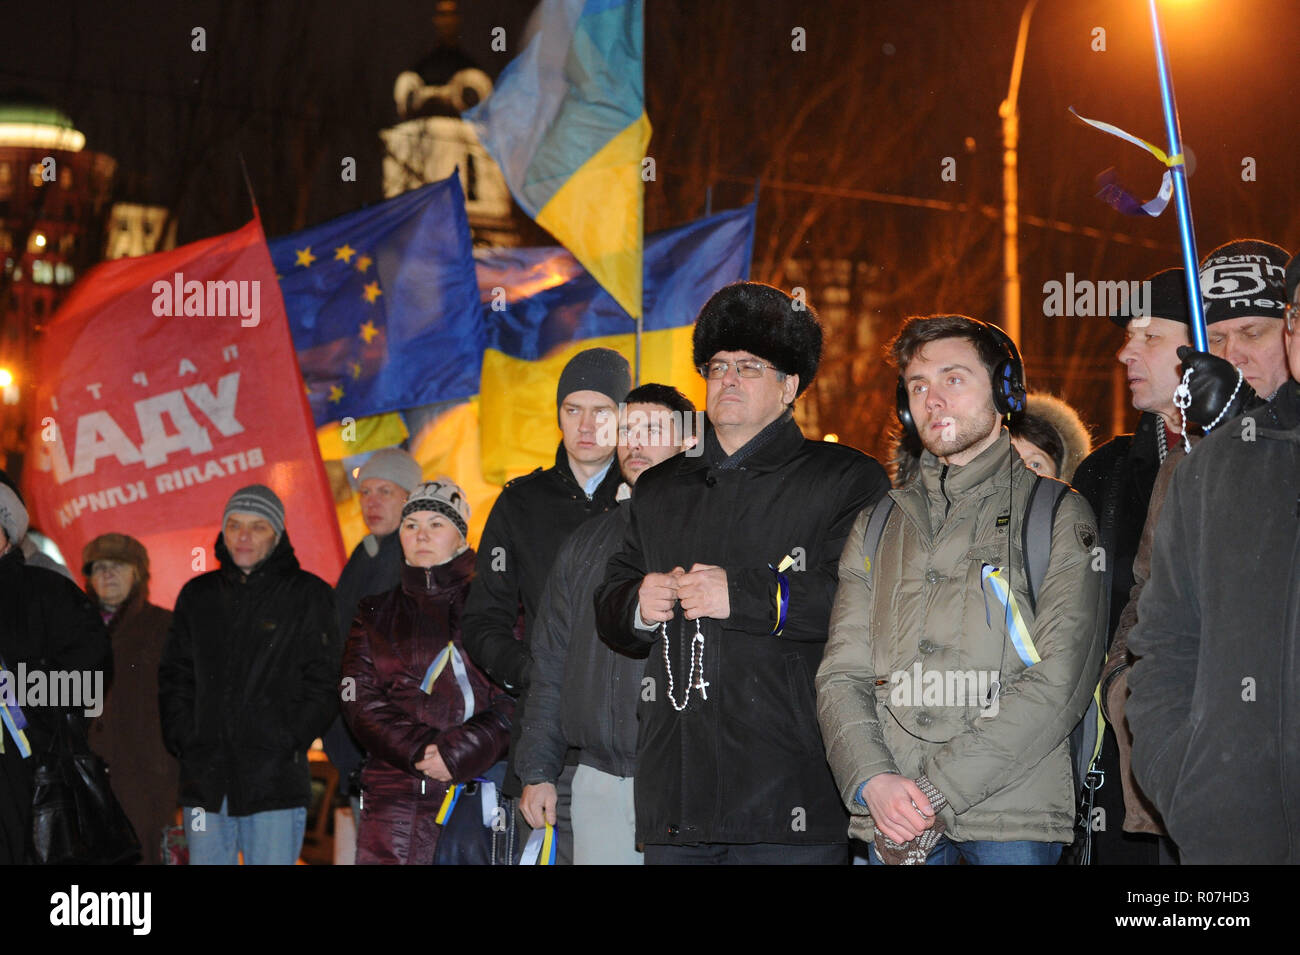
(726, 576)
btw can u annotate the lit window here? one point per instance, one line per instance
(64, 273)
(42, 272)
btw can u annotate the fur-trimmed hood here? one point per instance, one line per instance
(1066, 421)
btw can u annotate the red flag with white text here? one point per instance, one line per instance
(166, 383)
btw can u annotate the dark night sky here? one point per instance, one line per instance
(128, 77)
(123, 71)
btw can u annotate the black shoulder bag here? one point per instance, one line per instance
(76, 819)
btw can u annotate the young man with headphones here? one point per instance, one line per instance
(950, 685)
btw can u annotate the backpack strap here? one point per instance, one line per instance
(1036, 531)
(876, 529)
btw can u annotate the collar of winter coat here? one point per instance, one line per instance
(136, 599)
(430, 581)
(12, 560)
(608, 484)
(766, 451)
(279, 562)
(1279, 419)
(989, 469)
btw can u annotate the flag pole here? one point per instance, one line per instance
(1182, 201)
(249, 184)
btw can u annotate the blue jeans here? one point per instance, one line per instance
(987, 853)
(265, 838)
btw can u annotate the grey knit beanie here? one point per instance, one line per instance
(392, 464)
(602, 370)
(260, 500)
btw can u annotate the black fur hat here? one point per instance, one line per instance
(764, 321)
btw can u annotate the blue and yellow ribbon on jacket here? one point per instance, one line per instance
(782, 593)
(451, 655)
(1016, 629)
(13, 718)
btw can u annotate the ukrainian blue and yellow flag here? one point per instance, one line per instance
(542, 307)
(383, 305)
(567, 124)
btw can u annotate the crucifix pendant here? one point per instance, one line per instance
(700, 685)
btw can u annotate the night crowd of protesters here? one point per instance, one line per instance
(706, 639)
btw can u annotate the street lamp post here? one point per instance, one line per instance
(1010, 113)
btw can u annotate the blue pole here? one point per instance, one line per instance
(1181, 200)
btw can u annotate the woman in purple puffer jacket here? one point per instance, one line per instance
(406, 695)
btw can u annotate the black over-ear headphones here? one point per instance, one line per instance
(1009, 392)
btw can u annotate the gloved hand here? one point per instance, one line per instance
(1213, 383)
(914, 851)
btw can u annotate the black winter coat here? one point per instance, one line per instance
(1133, 461)
(47, 623)
(746, 765)
(582, 694)
(249, 679)
(529, 521)
(1215, 690)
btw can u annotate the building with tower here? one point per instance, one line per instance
(431, 140)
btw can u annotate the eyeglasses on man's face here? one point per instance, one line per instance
(745, 368)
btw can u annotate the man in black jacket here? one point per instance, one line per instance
(1117, 480)
(727, 575)
(582, 694)
(47, 626)
(528, 523)
(249, 679)
(1215, 683)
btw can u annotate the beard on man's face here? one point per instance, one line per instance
(959, 434)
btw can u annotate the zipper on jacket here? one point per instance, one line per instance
(947, 504)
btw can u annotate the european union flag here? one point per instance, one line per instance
(384, 305)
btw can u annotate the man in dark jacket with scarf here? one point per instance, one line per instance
(1216, 679)
(727, 575)
(46, 624)
(582, 694)
(1117, 480)
(128, 735)
(249, 679)
(529, 521)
